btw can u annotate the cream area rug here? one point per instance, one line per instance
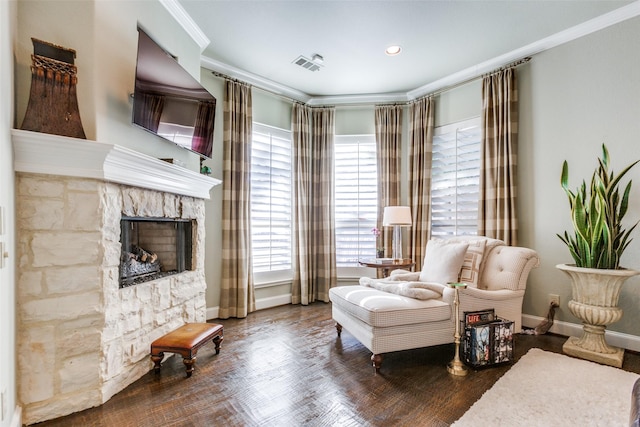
(548, 389)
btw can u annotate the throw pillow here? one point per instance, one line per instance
(470, 271)
(442, 261)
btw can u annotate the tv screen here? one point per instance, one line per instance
(169, 102)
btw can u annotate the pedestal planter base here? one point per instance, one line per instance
(595, 303)
(572, 348)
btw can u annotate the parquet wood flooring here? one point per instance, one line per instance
(285, 366)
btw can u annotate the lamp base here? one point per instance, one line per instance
(397, 244)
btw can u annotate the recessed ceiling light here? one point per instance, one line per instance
(393, 50)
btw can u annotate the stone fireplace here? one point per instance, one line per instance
(82, 337)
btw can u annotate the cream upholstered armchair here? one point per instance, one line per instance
(415, 309)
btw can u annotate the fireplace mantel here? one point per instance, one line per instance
(42, 153)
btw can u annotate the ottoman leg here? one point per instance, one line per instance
(188, 363)
(376, 360)
(217, 341)
(157, 359)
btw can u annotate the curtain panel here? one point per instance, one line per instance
(497, 216)
(421, 128)
(388, 125)
(314, 261)
(237, 297)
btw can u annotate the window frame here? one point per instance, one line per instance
(284, 276)
(357, 270)
(445, 129)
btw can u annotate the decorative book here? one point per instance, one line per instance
(479, 317)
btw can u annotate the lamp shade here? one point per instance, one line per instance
(396, 215)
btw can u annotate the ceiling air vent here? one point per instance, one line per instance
(306, 63)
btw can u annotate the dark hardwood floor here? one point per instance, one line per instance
(286, 366)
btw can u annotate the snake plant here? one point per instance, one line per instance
(599, 239)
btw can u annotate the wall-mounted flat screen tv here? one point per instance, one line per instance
(169, 102)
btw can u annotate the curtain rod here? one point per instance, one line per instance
(224, 76)
(471, 79)
(435, 93)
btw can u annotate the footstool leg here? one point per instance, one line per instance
(157, 359)
(189, 364)
(217, 341)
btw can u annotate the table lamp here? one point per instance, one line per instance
(396, 217)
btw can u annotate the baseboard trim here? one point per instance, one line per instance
(261, 304)
(618, 339)
(16, 419)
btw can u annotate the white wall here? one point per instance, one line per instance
(10, 412)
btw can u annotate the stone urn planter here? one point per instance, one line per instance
(595, 303)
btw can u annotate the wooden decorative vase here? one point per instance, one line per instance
(53, 102)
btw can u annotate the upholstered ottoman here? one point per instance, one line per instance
(186, 340)
(385, 322)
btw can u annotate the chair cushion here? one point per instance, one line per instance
(382, 309)
(443, 261)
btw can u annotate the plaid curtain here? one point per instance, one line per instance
(497, 217)
(314, 259)
(420, 155)
(237, 293)
(388, 122)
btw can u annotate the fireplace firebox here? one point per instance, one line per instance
(154, 248)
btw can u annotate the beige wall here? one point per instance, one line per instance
(572, 99)
(105, 40)
(7, 205)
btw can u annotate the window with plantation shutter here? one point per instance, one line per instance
(455, 179)
(271, 203)
(356, 198)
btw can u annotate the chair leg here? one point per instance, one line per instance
(339, 328)
(376, 360)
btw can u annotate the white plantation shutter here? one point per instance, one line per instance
(356, 198)
(455, 179)
(271, 202)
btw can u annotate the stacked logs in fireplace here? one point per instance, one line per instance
(139, 263)
(154, 248)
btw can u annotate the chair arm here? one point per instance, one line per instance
(508, 267)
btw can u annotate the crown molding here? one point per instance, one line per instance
(596, 24)
(370, 98)
(178, 13)
(254, 79)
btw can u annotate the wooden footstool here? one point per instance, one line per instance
(186, 340)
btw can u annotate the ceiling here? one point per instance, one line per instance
(262, 38)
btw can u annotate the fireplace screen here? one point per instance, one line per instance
(154, 248)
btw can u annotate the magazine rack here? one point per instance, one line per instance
(487, 340)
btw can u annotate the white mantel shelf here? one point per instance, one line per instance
(43, 153)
